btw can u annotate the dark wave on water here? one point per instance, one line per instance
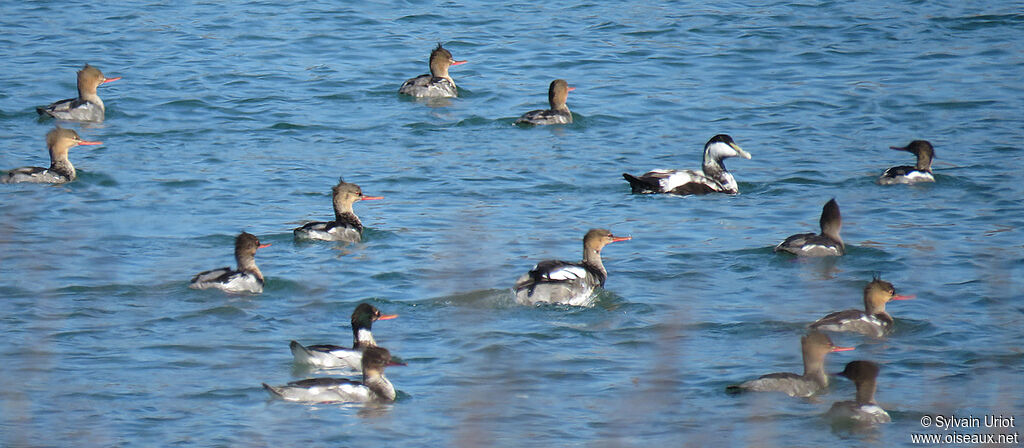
(242, 116)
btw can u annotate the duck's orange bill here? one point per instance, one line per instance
(841, 349)
(371, 198)
(387, 316)
(88, 143)
(571, 89)
(261, 246)
(621, 238)
(110, 80)
(459, 62)
(903, 297)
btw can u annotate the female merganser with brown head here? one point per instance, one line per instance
(863, 410)
(561, 282)
(88, 106)
(438, 84)
(922, 172)
(714, 179)
(247, 278)
(559, 113)
(346, 225)
(327, 355)
(873, 320)
(60, 171)
(375, 387)
(815, 346)
(828, 243)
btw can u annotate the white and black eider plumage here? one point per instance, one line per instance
(714, 178)
(827, 243)
(562, 282)
(921, 172)
(247, 278)
(58, 141)
(863, 410)
(558, 94)
(346, 226)
(438, 83)
(374, 387)
(335, 356)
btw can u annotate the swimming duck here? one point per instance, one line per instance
(558, 93)
(375, 387)
(88, 106)
(247, 278)
(921, 172)
(437, 84)
(346, 225)
(59, 141)
(327, 355)
(828, 243)
(714, 178)
(562, 282)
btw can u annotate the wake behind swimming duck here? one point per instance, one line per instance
(713, 179)
(59, 141)
(88, 107)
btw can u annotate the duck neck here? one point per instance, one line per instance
(60, 164)
(924, 162)
(247, 263)
(362, 338)
(379, 384)
(88, 93)
(814, 369)
(866, 391)
(592, 260)
(715, 169)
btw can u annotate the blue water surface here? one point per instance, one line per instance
(241, 116)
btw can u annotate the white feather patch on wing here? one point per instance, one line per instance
(567, 273)
(680, 177)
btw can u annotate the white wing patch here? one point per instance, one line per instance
(675, 178)
(567, 273)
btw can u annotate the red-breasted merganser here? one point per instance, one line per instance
(346, 225)
(863, 410)
(375, 386)
(247, 278)
(922, 172)
(873, 320)
(438, 84)
(327, 355)
(555, 281)
(59, 141)
(828, 243)
(558, 93)
(714, 179)
(88, 106)
(815, 346)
